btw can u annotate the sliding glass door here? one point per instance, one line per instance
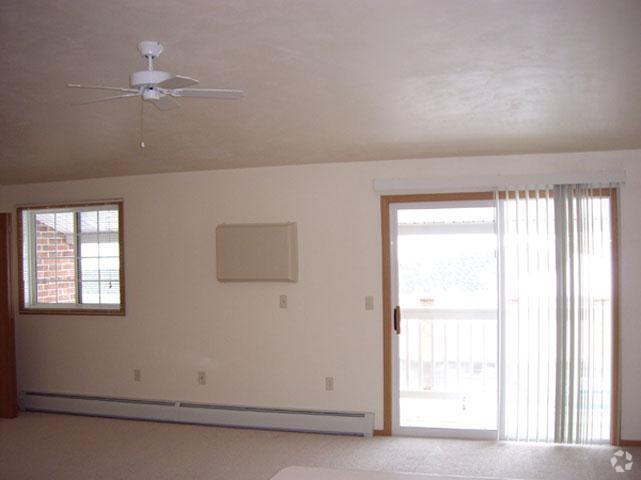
(504, 317)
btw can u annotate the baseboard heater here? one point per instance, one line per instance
(346, 423)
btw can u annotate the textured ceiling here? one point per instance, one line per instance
(325, 81)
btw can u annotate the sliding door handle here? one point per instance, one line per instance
(397, 319)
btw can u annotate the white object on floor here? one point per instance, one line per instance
(311, 473)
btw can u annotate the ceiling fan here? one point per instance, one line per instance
(158, 87)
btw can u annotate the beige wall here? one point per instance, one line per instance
(181, 320)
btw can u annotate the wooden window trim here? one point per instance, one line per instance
(386, 200)
(79, 310)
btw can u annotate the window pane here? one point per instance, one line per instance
(108, 220)
(100, 257)
(467, 215)
(447, 347)
(108, 249)
(109, 268)
(447, 257)
(26, 266)
(448, 372)
(55, 245)
(88, 222)
(89, 269)
(99, 244)
(448, 271)
(90, 292)
(88, 247)
(110, 292)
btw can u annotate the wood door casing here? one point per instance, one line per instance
(8, 393)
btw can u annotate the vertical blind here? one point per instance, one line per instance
(528, 312)
(556, 313)
(584, 321)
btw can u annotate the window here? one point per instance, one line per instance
(71, 259)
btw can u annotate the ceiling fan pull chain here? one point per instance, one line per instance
(142, 105)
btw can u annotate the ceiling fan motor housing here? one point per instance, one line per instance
(147, 78)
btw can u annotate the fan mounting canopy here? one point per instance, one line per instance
(150, 48)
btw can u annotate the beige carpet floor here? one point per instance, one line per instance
(46, 446)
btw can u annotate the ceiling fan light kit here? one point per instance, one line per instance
(158, 87)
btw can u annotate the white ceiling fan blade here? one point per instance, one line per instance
(106, 99)
(165, 102)
(102, 87)
(178, 81)
(207, 93)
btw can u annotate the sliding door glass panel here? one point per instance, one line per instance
(447, 291)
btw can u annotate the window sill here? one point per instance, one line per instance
(107, 312)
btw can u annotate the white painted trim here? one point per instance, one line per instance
(423, 313)
(459, 433)
(440, 204)
(393, 227)
(348, 423)
(391, 186)
(315, 473)
(447, 229)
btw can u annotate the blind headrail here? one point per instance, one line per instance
(393, 186)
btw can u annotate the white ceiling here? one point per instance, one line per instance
(325, 81)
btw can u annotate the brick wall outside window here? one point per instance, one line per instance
(55, 265)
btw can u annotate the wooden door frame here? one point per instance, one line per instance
(615, 400)
(387, 200)
(8, 393)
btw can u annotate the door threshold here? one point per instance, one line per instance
(453, 433)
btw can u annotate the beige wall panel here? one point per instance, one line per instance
(257, 252)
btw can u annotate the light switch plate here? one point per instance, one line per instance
(329, 384)
(282, 301)
(369, 302)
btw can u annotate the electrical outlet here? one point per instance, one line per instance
(137, 376)
(329, 384)
(202, 378)
(282, 301)
(369, 302)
